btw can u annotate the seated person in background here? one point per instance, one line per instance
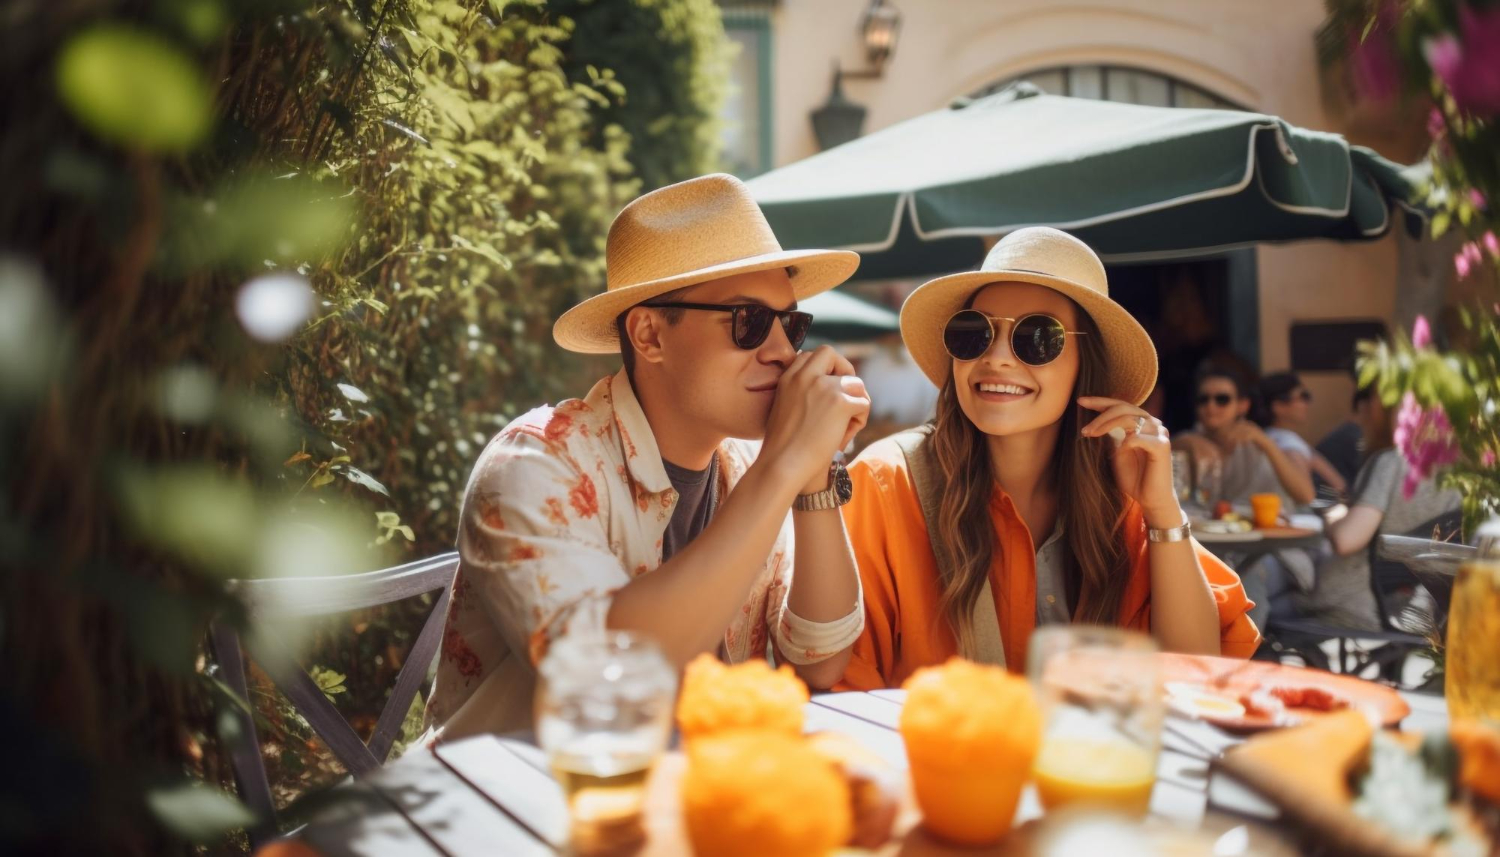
(1378, 505)
(667, 501)
(1041, 493)
(1251, 462)
(1286, 403)
(1344, 446)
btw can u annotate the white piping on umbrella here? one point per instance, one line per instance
(907, 199)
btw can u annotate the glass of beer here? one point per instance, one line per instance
(1472, 682)
(604, 714)
(1102, 706)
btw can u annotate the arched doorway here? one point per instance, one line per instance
(1200, 309)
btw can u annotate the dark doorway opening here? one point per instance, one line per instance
(1196, 311)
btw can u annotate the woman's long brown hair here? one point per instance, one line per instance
(1090, 506)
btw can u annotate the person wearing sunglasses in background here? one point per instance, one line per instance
(1285, 405)
(666, 501)
(1041, 493)
(1247, 461)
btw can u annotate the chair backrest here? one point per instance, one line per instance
(1388, 575)
(285, 598)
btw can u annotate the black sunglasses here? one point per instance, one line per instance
(1220, 399)
(1298, 395)
(1035, 339)
(752, 322)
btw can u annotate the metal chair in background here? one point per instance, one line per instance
(1393, 580)
(272, 600)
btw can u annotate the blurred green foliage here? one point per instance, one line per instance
(442, 178)
(667, 64)
(1442, 54)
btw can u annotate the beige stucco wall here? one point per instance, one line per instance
(1259, 54)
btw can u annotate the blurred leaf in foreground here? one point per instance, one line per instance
(133, 87)
(30, 334)
(196, 812)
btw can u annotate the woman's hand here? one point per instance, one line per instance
(1142, 460)
(1246, 431)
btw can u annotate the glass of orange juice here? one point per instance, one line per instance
(1265, 509)
(1102, 709)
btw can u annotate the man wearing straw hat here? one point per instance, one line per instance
(669, 499)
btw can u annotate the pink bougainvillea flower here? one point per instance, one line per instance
(1491, 244)
(1425, 438)
(1476, 196)
(1466, 63)
(1444, 54)
(1437, 126)
(1373, 67)
(1487, 458)
(1461, 264)
(1421, 332)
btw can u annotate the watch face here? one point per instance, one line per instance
(843, 486)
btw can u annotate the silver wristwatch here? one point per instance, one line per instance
(839, 491)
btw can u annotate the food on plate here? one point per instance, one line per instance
(972, 733)
(874, 787)
(1380, 791)
(1195, 700)
(754, 792)
(1316, 698)
(1223, 511)
(717, 698)
(1262, 703)
(1233, 524)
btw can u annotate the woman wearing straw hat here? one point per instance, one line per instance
(1041, 492)
(642, 506)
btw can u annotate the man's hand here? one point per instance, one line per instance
(820, 405)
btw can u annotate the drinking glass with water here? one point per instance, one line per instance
(604, 714)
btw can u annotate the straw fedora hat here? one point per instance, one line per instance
(1046, 257)
(681, 235)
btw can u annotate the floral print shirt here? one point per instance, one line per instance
(566, 505)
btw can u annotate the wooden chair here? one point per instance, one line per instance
(287, 598)
(1388, 577)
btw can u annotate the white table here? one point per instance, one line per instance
(491, 795)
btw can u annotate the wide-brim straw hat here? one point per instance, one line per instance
(684, 234)
(1046, 257)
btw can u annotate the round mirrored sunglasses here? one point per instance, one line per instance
(1035, 339)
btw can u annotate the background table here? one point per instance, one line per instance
(493, 795)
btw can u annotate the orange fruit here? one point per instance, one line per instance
(971, 735)
(753, 792)
(717, 698)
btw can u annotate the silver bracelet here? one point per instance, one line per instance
(1175, 534)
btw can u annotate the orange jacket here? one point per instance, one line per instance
(904, 629)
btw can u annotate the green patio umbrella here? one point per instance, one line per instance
(840, 317)
(1135, 182)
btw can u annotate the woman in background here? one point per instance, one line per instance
(1286, 403)
(1251, 462)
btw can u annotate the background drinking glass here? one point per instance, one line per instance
(1102, 708)
(1210, 481)
(1472, 682)
(1182, 476)
(603, 712)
